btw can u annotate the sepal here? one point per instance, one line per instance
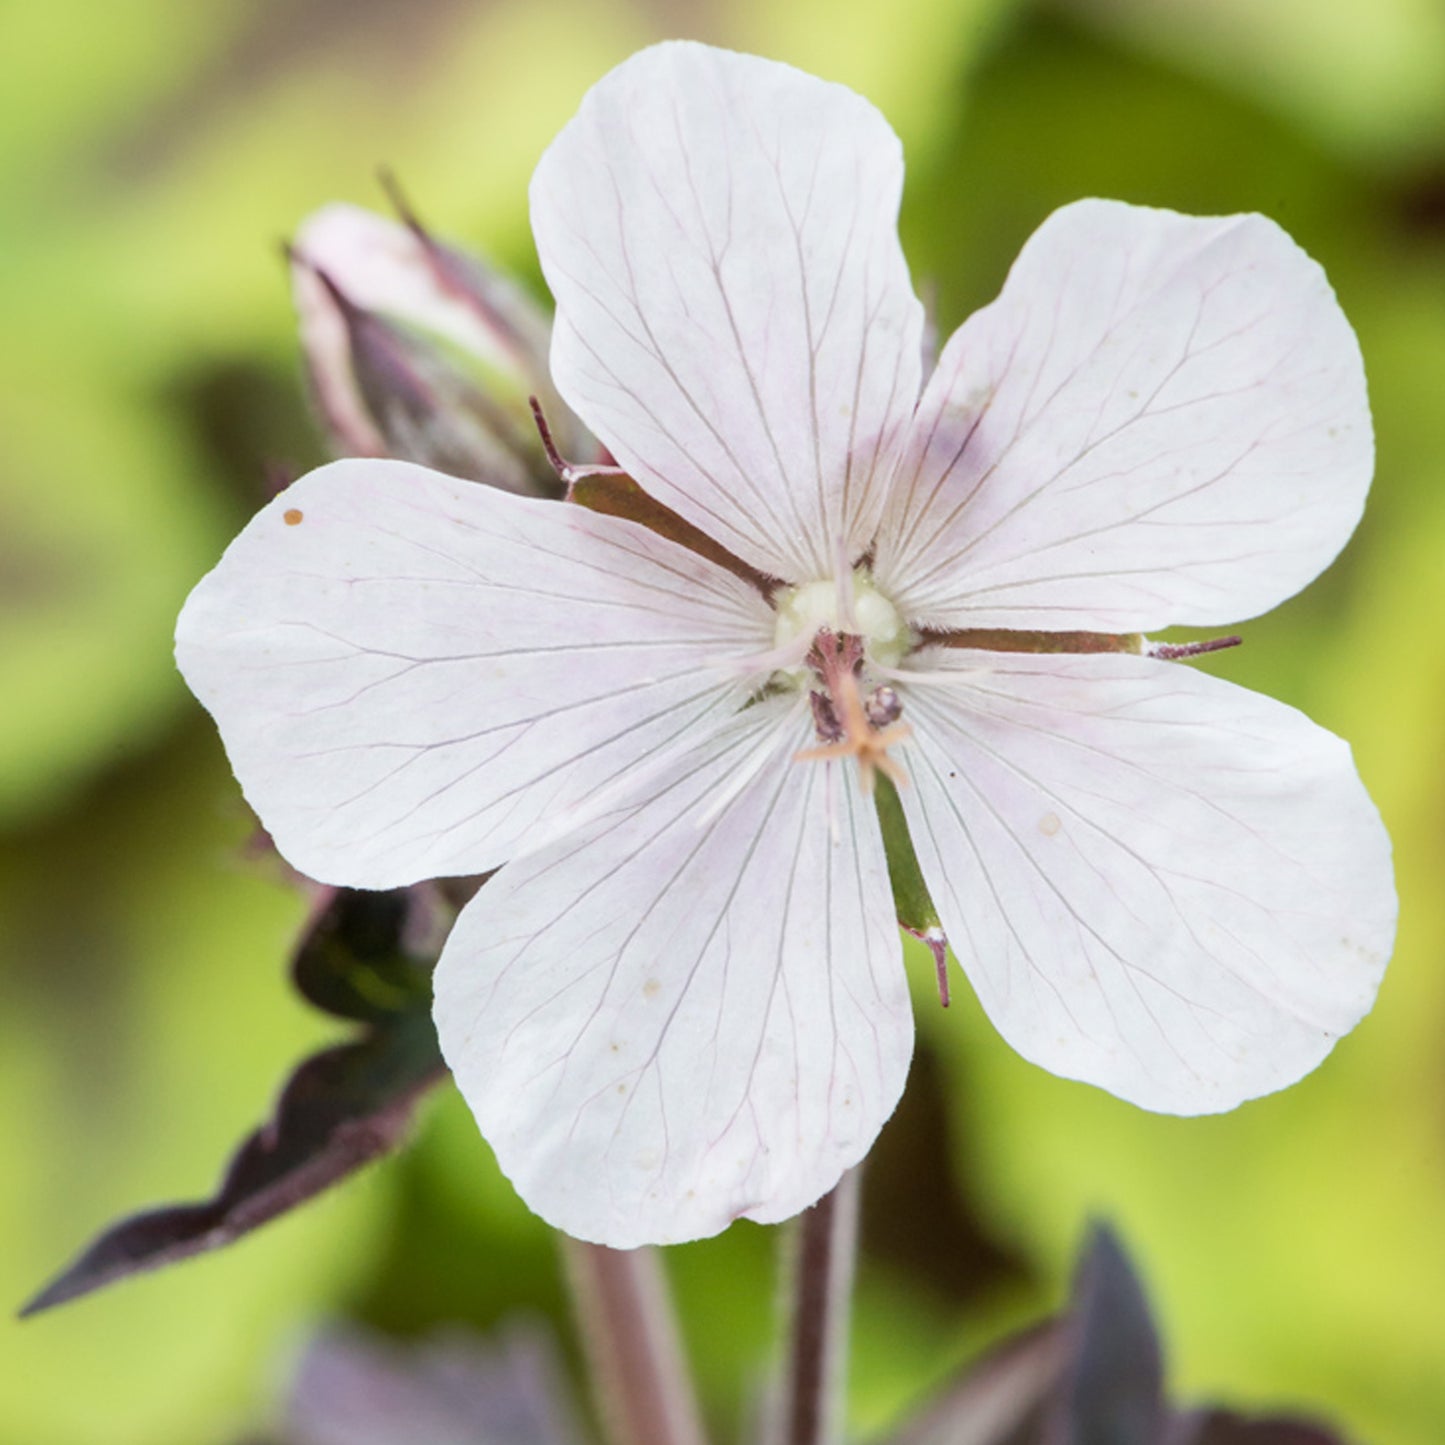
(914, 907)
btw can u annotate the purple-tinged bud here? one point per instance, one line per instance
(417, 351)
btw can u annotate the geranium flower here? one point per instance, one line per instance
(682, 999)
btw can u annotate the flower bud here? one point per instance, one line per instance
(420, 352)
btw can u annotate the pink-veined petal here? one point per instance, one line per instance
(1158, 882)
(410, 671)
(734, 315)
(1162, 419)
(695, 1009)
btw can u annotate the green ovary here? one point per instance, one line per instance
(856, 607)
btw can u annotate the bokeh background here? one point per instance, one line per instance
(153, 153)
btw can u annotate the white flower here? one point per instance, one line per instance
(682, 999)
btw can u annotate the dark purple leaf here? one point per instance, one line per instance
(353, 1388)
(369, 956)
(1224, 1427)
(1093, 1375)
(1114, 1389)
(339, 1110)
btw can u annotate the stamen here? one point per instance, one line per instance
(883, 707)
(1173, 651)
(825, 718)
(842, 719)
(843, 586)
(783, 658)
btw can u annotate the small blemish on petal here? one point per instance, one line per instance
(1049, 824)
(964, 408)
(1363, 952)
(651, 988)
(292, 516)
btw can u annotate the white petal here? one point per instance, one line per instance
(1162, 419)
(695, 1010)
(409, 671)
(1158, 882)
(734, 315)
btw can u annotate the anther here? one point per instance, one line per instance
(883, 707)
(825, 718)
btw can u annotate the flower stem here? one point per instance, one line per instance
(826, 1249)
(640, 1378)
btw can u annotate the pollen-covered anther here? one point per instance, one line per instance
(883, 707)
(847, 724)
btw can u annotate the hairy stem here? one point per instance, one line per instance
(640, 1378)
(815, 1373)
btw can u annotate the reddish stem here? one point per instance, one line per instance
(640, 1377)
(816, 1366)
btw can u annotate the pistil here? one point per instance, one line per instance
(848, 724)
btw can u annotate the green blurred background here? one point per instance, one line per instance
(152, 155)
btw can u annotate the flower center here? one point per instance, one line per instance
(848, 724)
(846, 623)
(847, 605)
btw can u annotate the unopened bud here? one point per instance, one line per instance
(417, 351)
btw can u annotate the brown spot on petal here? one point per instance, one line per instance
(651, 988)
(292, 516)
(1049, 824)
